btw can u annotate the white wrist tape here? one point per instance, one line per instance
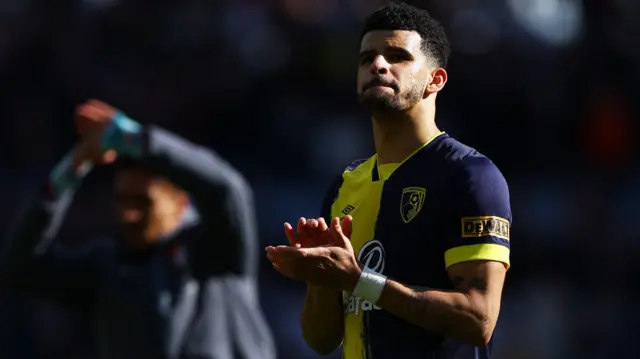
(370, 285)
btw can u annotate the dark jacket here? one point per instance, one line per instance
(191, 296)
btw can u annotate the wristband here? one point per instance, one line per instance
(370, 285)
(64, 177)
(124, 135)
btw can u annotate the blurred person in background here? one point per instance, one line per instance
(425, 210)
(177, 280)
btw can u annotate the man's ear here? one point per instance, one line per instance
(438, 80)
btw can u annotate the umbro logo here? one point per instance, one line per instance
(348, 209)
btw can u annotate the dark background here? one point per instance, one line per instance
(545, 88)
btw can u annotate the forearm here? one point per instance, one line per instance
(40, 222)
(194, 168)
(190, 166)
(28, 249)
(322, 319)
(463, 316)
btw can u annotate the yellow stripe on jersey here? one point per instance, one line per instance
(477, 252)
(364, 197)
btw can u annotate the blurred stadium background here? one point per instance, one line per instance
(546, 88)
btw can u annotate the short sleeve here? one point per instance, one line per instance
(481, 227)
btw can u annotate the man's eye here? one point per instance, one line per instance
(396, 58)
(365, 60)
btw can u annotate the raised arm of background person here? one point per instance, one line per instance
(32, 261)
(322, 317)
(222, 259)
(476, 257)
(221, 195)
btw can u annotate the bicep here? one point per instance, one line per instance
(479, 276)
(482, 282)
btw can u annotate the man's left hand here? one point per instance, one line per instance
(333, 266)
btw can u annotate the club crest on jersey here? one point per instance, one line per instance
(411, 203)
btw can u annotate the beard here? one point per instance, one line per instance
(383, 100)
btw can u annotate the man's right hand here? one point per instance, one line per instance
(314, 232)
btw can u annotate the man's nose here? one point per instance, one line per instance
(379, 66)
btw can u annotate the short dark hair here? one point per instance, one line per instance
(401, 16)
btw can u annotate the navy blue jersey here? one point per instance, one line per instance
(445, 204)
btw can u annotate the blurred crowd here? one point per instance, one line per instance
(548, 89)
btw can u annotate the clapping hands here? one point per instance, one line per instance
(319, 254)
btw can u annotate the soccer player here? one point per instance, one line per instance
(177, 280)
(417, 266)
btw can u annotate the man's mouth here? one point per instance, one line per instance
(378, 83)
